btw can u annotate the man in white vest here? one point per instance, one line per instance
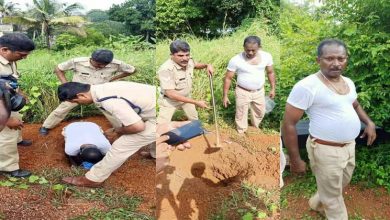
(330, 101)
(85, 143)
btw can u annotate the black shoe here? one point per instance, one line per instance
(43, 131)
(18, 173)
(25, 143)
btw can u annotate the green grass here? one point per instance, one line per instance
(118, 213)
(249, 202)
(47, 185)
(300, 186)
(218, 52)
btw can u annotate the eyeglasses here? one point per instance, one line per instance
(332, 59)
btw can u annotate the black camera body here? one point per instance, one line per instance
(13, 100)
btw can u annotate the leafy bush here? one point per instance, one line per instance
(372, 166)
(67, 41)
(109, 27)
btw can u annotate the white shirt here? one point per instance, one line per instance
(332, 116)
(251, 77)
(79, 133)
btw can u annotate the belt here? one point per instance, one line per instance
(319, 141)
(248, 90)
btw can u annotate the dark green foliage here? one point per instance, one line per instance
(137, 15)
(109, 27)
(211, 18)
(97, 15)
(69, 40)
(300, 35)
(372, 166)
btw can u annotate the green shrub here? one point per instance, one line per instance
(67, 41)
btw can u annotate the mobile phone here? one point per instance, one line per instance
(184, 133)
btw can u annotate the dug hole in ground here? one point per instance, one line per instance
(134, 178)
(197, 180)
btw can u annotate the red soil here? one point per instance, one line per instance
(198, 179)
(361, 202)
(135, 177)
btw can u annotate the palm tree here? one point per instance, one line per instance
(7, 9)
(49, 13)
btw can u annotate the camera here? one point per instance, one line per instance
(13, 100)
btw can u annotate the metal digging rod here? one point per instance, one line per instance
(214, 109)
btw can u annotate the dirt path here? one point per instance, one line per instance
(198, 179)
(135, 177)
(362, 203)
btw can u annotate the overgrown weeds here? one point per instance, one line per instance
(249, 202)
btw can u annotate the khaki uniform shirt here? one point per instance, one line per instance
(84, 72)
(8, 68)
(141, 95)
(173, 76)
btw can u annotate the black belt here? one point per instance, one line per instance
(248, 90)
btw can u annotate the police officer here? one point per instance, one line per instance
(13, 47)
(100, 68)
(175, 77)
(133, 104)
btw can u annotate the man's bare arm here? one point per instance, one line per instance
(290, 138)
(209, 68)
(61, 75)
(369, 131)
(227, 81)
(272, 80)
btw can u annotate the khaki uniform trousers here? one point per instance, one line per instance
(167, 108)
(121, 150)
(64, 108)
(245, 100)
(333, 168)
(9, 156)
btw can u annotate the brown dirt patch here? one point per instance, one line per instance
(135, 177)
(199, 179)
(361, 202)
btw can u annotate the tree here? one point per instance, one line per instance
(49, 13)
(7, 9)
(137, 15)
(211, 18)
(97, 15)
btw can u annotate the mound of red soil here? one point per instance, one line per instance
(199, 179)
(135, 177)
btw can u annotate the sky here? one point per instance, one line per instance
(87, 4)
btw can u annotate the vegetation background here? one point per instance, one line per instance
(62, 32)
